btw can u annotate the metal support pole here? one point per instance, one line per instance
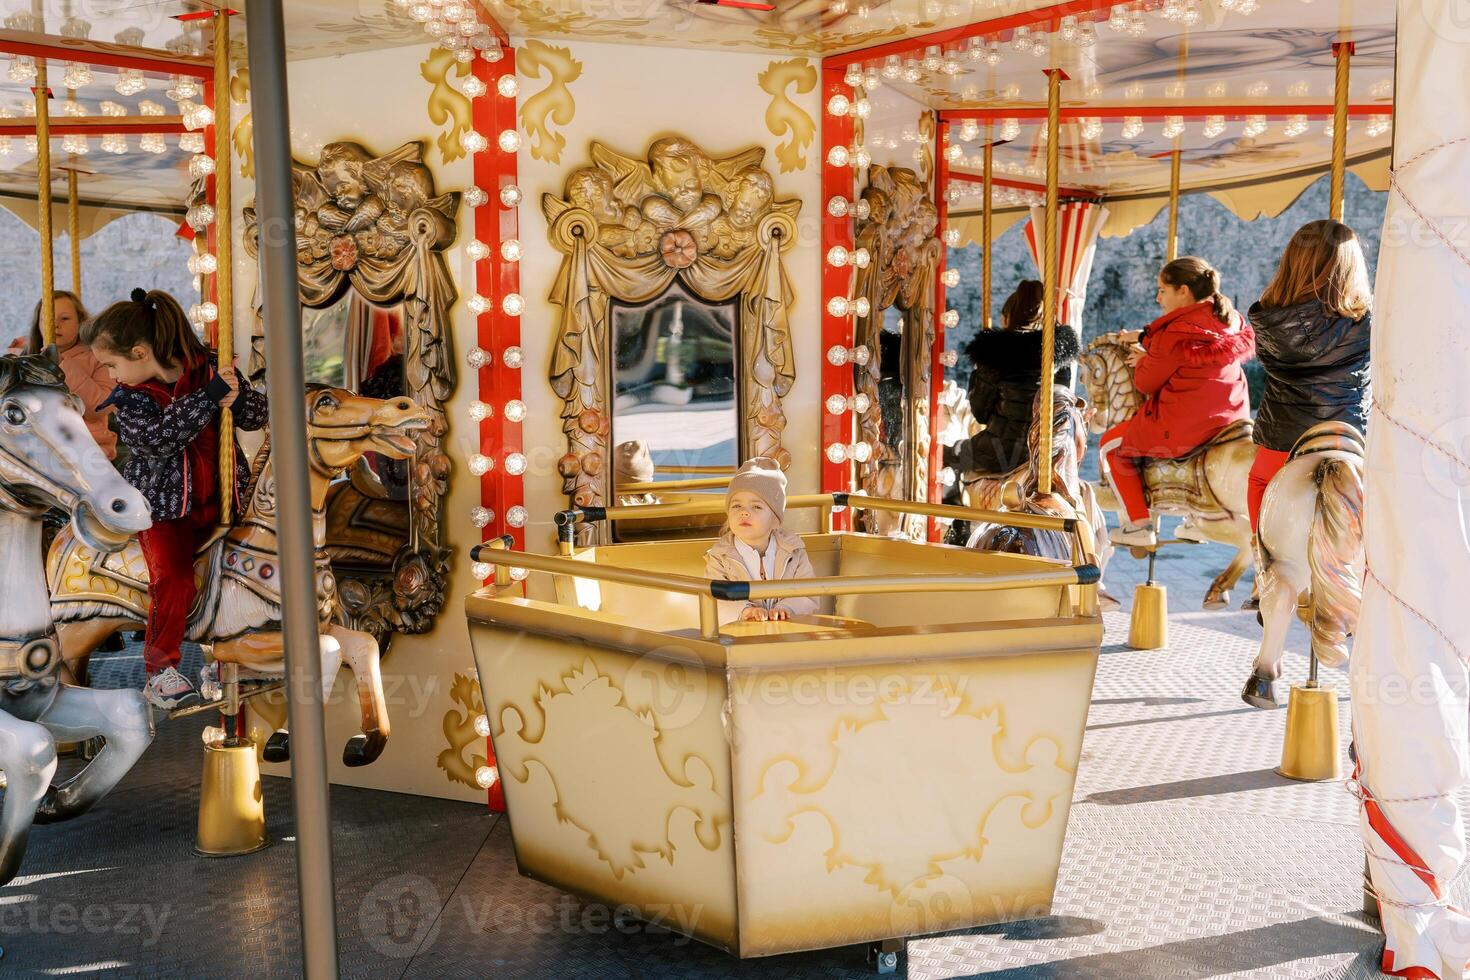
(1054, 77)
(74, 230)
(1171, 251)
(43, 204)
(225, 271)
(1342, 52)
(987, 214)
(265, 32)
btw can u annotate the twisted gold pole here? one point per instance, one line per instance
(1054, 78)
(986, 214)
(1171, 251)
(74, 230)
(224, 274)
(43, 204)
(1342, 51)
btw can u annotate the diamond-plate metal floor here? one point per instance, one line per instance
(1187, 857)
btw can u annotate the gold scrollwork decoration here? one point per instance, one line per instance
(459, 732)
(554, 102)
(243, 135)
(447, 104)
(628, 228)
(785, 116)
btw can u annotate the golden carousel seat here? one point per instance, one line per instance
(1239, 429)
(796, 781)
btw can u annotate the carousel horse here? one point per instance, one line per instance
(238, 608)
(1208, 485)
(1309, 552)
(49, 459)
(1071, 496)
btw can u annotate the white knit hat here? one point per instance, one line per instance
(761, 476)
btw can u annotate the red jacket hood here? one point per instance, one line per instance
(1194, 335)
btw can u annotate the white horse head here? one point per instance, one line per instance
(49, 458)
(1109, 381)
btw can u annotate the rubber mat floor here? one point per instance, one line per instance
(1186, 857)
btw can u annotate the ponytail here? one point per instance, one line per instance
(153, 318)
(1203, 282)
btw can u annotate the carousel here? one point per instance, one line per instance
(535, 294)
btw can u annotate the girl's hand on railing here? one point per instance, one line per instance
(753, 614)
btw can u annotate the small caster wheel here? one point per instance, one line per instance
(1137, 552)
(882, 960)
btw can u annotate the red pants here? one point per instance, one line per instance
(1268, 463)
(168, 548)
(1118, 457)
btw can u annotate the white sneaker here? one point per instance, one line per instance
(1139, 535)
(1189, 531)
(168, 689)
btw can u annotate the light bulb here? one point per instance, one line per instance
(837, 156)
(519, 574)
(912, 72)
(1132, 127)
(507, 86)
(837, 206)
(932, 58)
(510, 250)
(511, 358)
(952, 237)
(861, 451)
(516, 516)
(203, 264)
(481, 570)
(479, 411)
(836, 404)
(969, 131)
(1068, 29)
(509, 140)
(200, 216)
(512, 304)
(482, 726)
(481, 464)
(837, 355)
(473, 142)
(837, 306)
(954, 153)
(1086, 35)
(1173, 126)
(477, 250)
(492, 52)
(861, 306)
(477, 358)
(479, 304)
(515, 411)
(892, 67)
(208, 312)
(1091, 128)
(947, 476)
(871, 80)
(861, 158)
(481, 517)
(951, 278)
(510, 196)
(859, 355)
(837, 256)
(950, 318)
(152, 143)
(838, 105)
(992, 52)
(1214, 126)
(853, 76)
(76, 144)
(23, 69)
(860, 403)
(861, 208)
(1010, 129)
(436, 28)
(475, 197)
(515, 464)
(861, 258)
(837, 453)
(473, 87)
(486, 776)
(201, 165)
(862, 109)
(76, 75)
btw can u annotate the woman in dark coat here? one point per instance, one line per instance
(1312, 325)
(1005, 377)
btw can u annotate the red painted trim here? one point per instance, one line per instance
(126, 126)
(999, 27)
(836, 181)
(743, 4)
(935, 490)
(1410, 973)
(204, 15)
(147, 59)
(1194, 110)
(496, 28)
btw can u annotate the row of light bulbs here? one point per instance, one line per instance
(1091, 128)
(454, 26)
(840, 257)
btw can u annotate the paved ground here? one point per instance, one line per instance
(1187, 857)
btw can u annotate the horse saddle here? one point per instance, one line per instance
(1182, 484)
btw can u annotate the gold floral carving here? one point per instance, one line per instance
(785, 116)
(628, 228)
(790, 787)
(926, 146)
(459, 732)
(374, 224)
(243, 135)
(447, 104)
(900, 235)
(554, 102)
(627, 753)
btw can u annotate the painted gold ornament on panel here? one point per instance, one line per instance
(783, 116)
(554, 103)
(447, 104)
(459, 732)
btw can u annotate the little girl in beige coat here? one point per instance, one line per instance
(753, 546)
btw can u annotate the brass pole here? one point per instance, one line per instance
(74, 230)
(43, 202)
(1342, 51)
(224, 274)
(1054, 78)
(1171, 252)
(986, 214)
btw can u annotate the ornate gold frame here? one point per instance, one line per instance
(904, 251)
(375, 224)
(628, 228)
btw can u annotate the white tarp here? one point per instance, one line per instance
(1409, 684)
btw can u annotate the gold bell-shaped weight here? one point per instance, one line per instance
(231, 805)
(1149, 627)
(1311, 751)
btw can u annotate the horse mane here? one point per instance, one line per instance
(34, 370)
(1117, 398)
(1068, 442)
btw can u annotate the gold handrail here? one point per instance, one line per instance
(695, 468)
(702, 483)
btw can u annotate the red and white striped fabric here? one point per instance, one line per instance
(1078, 224)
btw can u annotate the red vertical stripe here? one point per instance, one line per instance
(836, 330)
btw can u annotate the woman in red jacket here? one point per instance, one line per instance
(1189, 371)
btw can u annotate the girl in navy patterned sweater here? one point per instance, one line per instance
(167, 403)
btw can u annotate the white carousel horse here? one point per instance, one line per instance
(1309, 546)
(49, 459)
(1208, 485)
(1071, 496)
(238, 609)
